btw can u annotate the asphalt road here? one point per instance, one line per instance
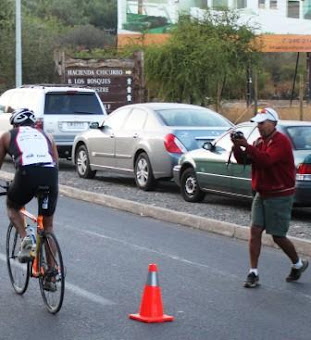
(107, 252)
(167, 196)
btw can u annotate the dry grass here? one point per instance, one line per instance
(238, 112)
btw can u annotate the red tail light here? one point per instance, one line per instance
(304, 169)
(303, 172)
(173, 145)
(39, 124)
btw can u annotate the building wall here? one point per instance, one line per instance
(276, 17)
(273, 16)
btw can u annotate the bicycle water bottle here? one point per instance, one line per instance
(31, 232)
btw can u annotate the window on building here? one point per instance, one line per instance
(220, 4)
(200, 3)
(273, 4)
(307, 9)
(261, 3)
(293, 8)
(240, 4)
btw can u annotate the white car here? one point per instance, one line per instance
(61, 111)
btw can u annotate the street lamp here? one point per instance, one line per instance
(18, 40)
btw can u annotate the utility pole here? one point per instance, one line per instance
(308, 83)
(249, 90)
(140, 6)
(18, 49)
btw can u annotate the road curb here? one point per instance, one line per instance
(207, 224)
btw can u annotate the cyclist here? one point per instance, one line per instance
(35, 157)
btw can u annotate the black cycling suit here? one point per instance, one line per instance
(31, 151)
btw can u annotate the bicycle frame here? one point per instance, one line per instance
(35, 272)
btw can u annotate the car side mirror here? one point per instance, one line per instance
(208, 146)
(94, 125)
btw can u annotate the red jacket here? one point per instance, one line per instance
(273, 167)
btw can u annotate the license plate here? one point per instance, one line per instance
(75, 125)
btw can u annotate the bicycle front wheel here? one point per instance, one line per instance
(52, 273)
(18, 272)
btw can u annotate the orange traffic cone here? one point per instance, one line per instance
(151, 308)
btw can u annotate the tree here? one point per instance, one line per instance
(202, 57)
(99, 13)
(45, 25)
(7, 49)
(6, 15)
(38, 63)
(85, 37)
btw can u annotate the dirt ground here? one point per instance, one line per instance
(238, 111)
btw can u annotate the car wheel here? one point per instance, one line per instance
(83, 163)
(190, 188)
(143, 173)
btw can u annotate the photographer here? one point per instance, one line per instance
(273, 181)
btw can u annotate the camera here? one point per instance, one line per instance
(237, 135)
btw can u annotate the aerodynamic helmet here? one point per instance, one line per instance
(22, 117)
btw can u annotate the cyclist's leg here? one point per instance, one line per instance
(48, 223)
(19, 194)
(48, 227)
(16, 218)
(49, 177)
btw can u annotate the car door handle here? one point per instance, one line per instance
(135, 135)
(111, 135)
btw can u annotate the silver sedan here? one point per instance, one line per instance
(145, 140)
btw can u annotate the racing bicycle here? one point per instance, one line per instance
(46, 262)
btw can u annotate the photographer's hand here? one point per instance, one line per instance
(238, 142)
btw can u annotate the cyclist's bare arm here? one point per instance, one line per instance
(4, 145)
(54, 149)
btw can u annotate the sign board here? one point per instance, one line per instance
(117, 81)
(113, 85)
(264, 42)
(285, 43)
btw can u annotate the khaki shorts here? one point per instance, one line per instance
(272, 214)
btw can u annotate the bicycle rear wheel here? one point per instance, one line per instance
(18, 272)
(52, 273)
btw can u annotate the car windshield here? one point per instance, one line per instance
(72, 103)
(300, 136)
(192, 118)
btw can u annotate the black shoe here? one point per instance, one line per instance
(49, 281)
(49, 286)
(251, 281)
(295, 274)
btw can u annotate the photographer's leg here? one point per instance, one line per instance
(298, 265)
(255, 245)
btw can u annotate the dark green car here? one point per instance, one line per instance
(214, 169)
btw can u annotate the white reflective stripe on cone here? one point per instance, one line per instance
(152, 279)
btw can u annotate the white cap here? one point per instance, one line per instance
(265, 114)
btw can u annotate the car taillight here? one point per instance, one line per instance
(173, 145)
(39, 124)
(304, 172)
